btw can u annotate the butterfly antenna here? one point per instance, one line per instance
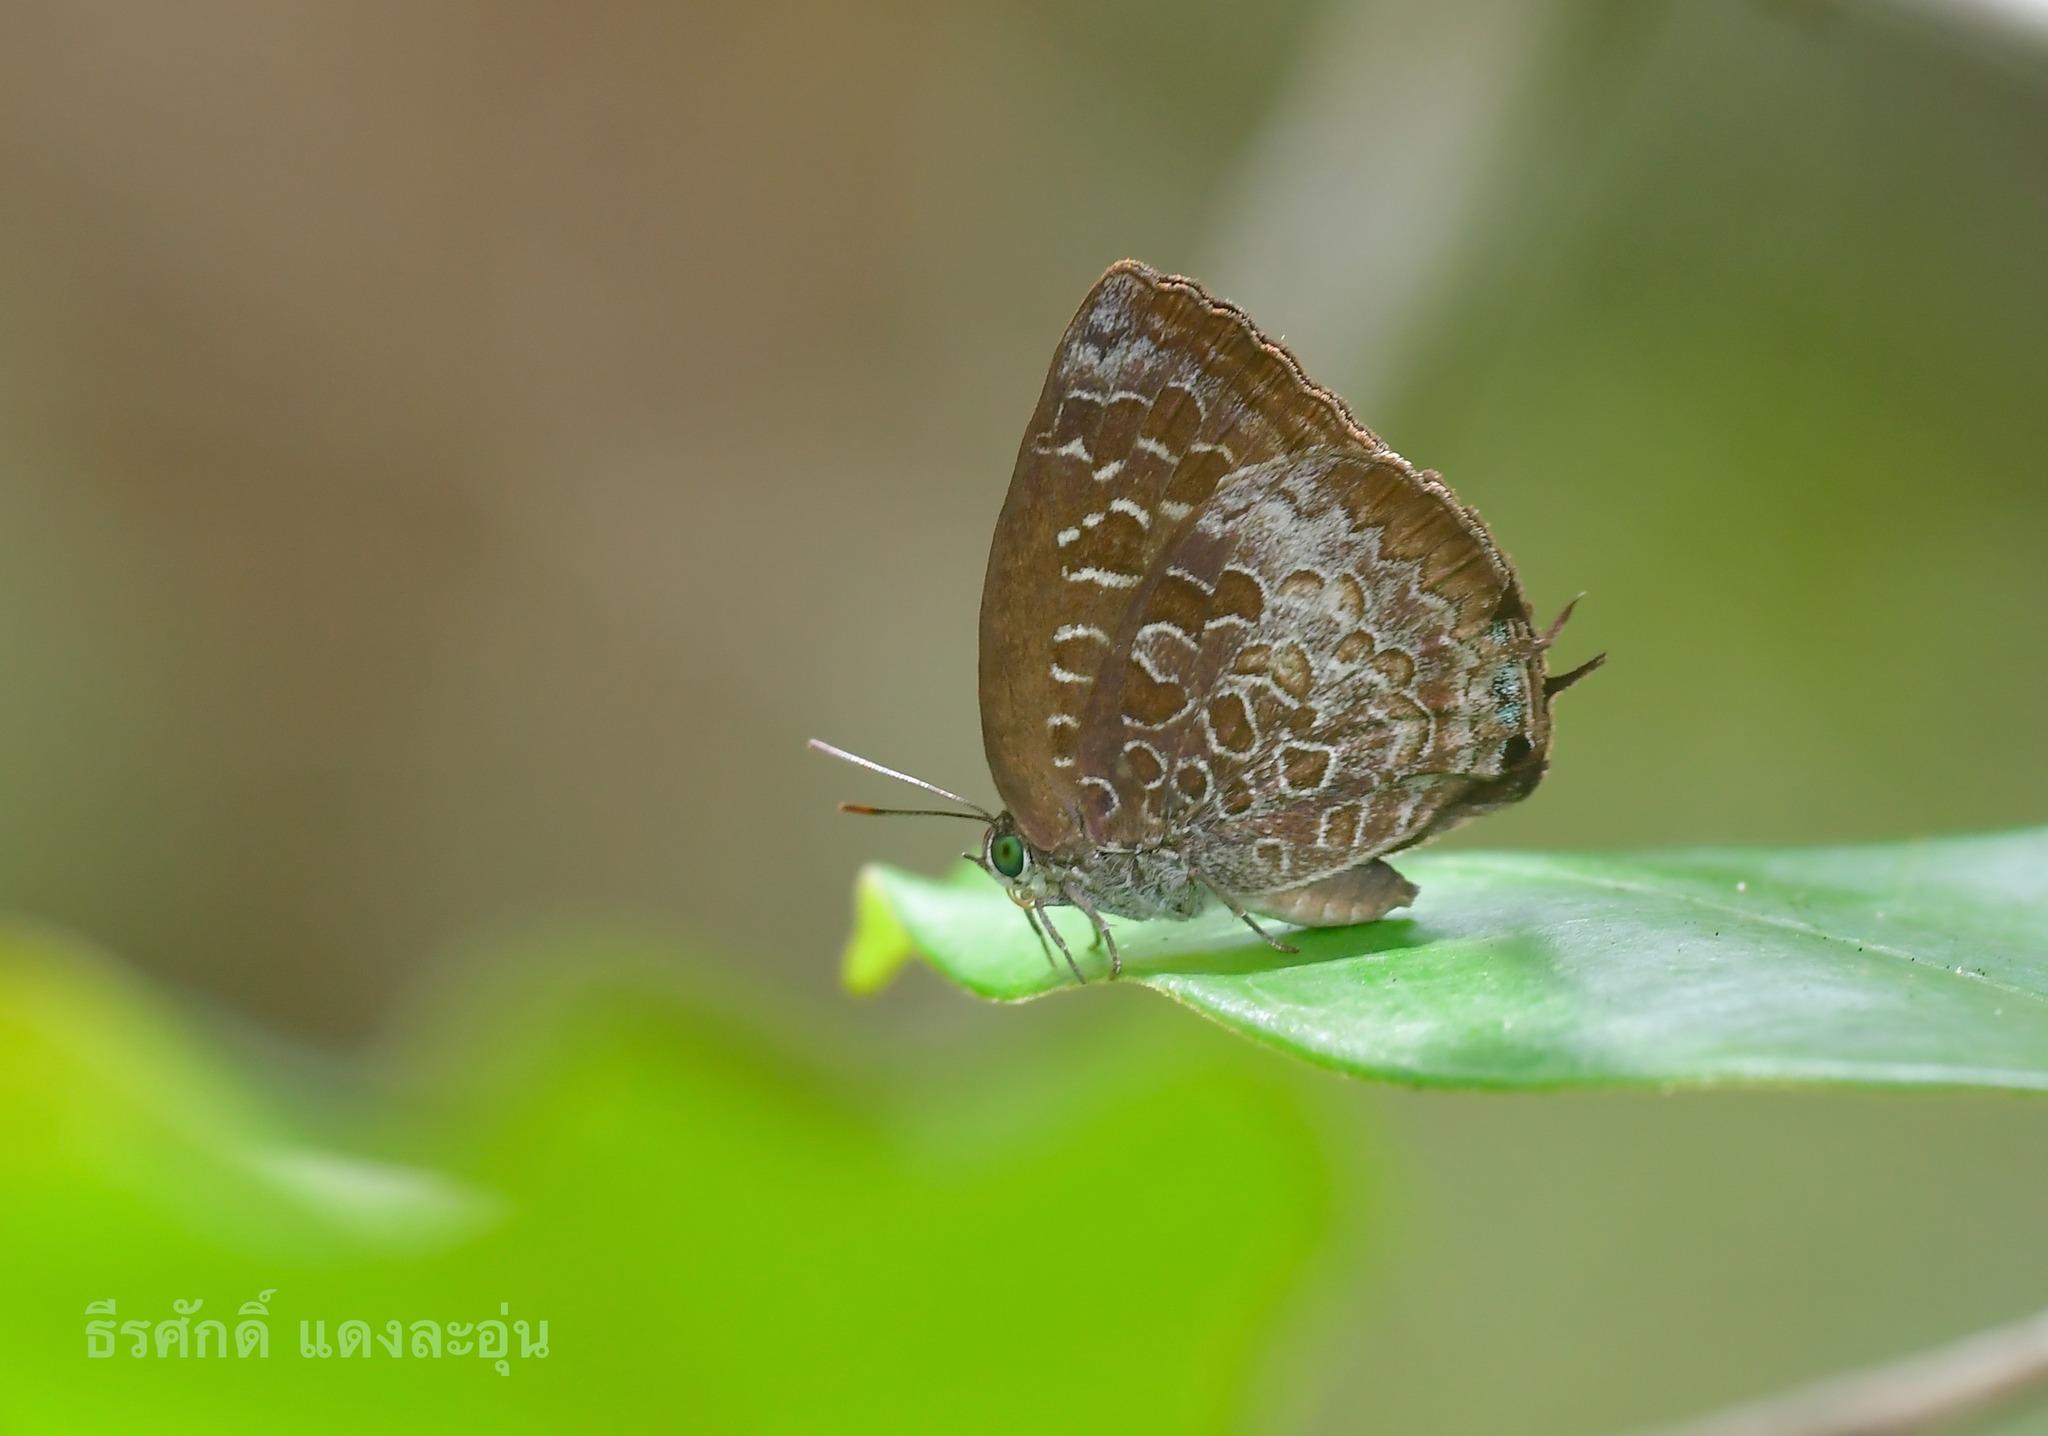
(862, 810)
(974, 810)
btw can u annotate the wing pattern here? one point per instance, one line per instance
(1223, 619)
(1364, 673)
(1157, 394)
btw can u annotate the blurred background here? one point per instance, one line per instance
(451, 457)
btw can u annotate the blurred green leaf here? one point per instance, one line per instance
(724, 1231)
(1907, 964)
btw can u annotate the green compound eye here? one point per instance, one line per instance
(1007, 853)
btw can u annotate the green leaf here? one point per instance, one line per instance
(726, 1229)
(1905, 964)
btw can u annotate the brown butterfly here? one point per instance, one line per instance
(1232, 645)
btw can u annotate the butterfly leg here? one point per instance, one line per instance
(1040, 920)
(1031, 916)
(1266, 937)
(1244, 917)
(1103, 936)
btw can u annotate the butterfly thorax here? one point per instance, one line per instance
(1129, 882)
(1139, 882)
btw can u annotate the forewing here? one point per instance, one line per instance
(1158, 398)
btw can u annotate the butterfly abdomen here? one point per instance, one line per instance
(1360, 894)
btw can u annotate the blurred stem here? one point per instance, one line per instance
(1918, 1393)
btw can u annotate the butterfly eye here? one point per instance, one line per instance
(1007, 854)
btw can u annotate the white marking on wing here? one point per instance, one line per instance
(1174, 510)
(1156, 449)
(1122, 505)
(1275, 855)
(1075, 449)
(1329, 771)
(1265, 593)
(1145, 647)
(1078, 630)
(1158, 761)
(1067, 536)
(1187, 704)
(1107, 787)
(1100, 577)
(1067, 675)
(1132, 351)
(1146, 660)
(1109, 471)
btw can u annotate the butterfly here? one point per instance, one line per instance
(1233, 648)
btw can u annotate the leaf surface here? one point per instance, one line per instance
(1901, 964)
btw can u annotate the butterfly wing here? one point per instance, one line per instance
(1158, 397)
(1365, 675)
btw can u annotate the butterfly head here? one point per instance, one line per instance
(1020, 869)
